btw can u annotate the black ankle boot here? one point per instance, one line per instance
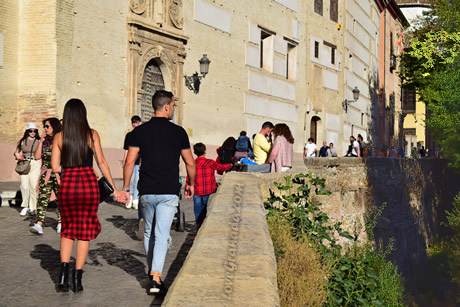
(63, 283)
(77, 285)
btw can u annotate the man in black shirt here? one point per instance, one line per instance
(160, 143)
(134, 198)
(323, 150)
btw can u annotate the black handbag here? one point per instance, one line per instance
(105, 188)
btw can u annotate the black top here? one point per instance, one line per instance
(323, 151)
(160, 143)
(128, 142)
(89, 158)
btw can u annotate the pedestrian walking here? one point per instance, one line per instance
(25, 151)
(283, 148)
(79, 197)
(49, 180)
(134, 196)
(161, 143)
(205, 181)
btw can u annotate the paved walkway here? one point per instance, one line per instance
(115, 272)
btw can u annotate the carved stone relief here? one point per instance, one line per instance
(138, 6)
(175, 13)
(135, 42)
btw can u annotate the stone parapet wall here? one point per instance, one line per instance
(416, 193)
(232, 262)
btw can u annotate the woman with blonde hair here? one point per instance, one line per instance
(25, 151)
(79, 192)
(283, 149)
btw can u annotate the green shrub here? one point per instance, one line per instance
(359, 276)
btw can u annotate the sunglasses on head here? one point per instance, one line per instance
(46, 126)
(32, 131)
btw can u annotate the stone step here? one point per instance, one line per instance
(6, 197)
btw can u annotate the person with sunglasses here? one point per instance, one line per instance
(49, 181)
(25, 151)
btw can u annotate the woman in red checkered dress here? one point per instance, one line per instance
(79, 191)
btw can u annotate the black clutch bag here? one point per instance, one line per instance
(105, 189)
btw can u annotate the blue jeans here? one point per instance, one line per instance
(200, 204)
(134, 181)
(133, 186)
(158, 211)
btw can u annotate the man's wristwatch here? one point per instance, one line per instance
(125, 190)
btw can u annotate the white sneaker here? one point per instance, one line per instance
(24, 211)
(135, 204)
(36, 229)
(129, 204)
(58, 228)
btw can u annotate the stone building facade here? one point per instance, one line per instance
(389, 116)
(279, 60)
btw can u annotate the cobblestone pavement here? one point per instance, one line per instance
(115, 271)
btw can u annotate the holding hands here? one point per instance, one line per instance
(121, 196)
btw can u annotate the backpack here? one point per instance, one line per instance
(242, 144)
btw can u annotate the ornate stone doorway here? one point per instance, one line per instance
(152, 81)
(156, 54)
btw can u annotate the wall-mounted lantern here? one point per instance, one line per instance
(193, 82)
(346, 102)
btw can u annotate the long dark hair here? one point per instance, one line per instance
(76, 132)
(24, 138)
(229, 143)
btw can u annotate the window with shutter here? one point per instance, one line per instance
(334, 10)
(319, 7)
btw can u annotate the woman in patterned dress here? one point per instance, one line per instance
(49, 180)
(79, 192)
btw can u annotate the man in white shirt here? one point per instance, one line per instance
(355, 152)
(310, 149)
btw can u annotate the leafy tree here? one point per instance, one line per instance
(431, 65)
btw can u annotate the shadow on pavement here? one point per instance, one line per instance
(121, 258)
(176, 265)
(129, 226)
(50, 260)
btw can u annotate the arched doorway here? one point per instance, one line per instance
(314, 124)
(152, 81)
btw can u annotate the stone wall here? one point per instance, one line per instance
(232, 262)
(416, 193)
